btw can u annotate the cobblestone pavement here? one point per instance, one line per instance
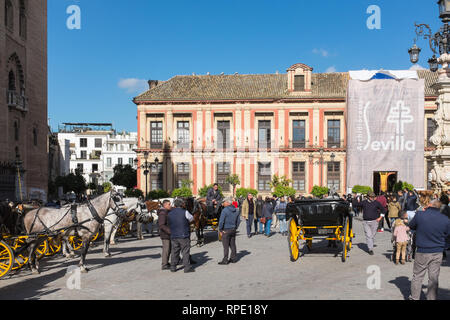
(263, 271)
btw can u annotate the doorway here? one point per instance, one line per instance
(384, 181)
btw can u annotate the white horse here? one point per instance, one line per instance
(112, 224)
(49, 220)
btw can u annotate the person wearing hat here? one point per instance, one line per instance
(228, 224)
(373, 212)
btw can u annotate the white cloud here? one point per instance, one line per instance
(133, 85)
(417, 67)
(331, 69)
(324, 53)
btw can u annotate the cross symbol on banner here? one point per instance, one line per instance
(400, 115)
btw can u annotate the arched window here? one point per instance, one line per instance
(9, 14)
(35, 137)
(11, 81)
(22, 20)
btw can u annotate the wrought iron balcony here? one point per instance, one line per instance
(183, 145)
(299, 144)
(334, 144)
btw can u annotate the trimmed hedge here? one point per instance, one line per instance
(158, 194)
(282, 191)
(243, 192)
(362, 189)
(319, 192)
(183, 192)
(133, 193)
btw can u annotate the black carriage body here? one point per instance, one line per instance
(319, 213)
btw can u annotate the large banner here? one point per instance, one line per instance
(385, 130)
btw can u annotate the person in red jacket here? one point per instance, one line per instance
(235, 203)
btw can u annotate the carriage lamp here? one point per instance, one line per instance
(434, 66)
(444, 10)
(414, 53)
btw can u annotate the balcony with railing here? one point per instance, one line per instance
(224, 146)
(16, 101)
(334, 144)
(183, 145)
(299, 144)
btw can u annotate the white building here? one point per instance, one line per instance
(119, 150)
(94, 149)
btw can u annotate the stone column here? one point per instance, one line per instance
(170, 130)
(440, 174)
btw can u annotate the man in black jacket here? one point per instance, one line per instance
(179, 221)
(164, 233)
(213, 199)
(373, 212)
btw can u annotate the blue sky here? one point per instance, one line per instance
(95, 72)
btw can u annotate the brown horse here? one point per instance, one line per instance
(198, 211)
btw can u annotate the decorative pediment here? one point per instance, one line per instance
(299, 79)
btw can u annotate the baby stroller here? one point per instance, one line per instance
(409, 246)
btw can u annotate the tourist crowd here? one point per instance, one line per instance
(419, 224)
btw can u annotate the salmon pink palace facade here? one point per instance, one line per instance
(205, 127)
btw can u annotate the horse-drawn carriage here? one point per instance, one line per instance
(327, 219)
(46, 229)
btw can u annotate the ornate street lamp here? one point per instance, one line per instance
(444, 10)
(146, 166)
(433, 62)
(438, 41)
(414, 53)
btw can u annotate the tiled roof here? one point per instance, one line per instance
(430, 79)
(255, 87)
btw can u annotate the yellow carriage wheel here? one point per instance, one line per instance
(350, 240)
(293, 240)
(6, 259)
(95, 237)
(76, 242)
(41, 250)
(20, 259)
(124, 229)
(345, 239)
(54, 246)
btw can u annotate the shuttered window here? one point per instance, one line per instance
(334, 174)
(156, 134)
(264, 138)
(299, 83)
(223, 134)
(334, 133)
(298, 134)
(264, 176)
(298, 176)
(223, 171)
(182, 173)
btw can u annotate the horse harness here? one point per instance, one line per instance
(73, 211)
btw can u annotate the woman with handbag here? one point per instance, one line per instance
(267, 212)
